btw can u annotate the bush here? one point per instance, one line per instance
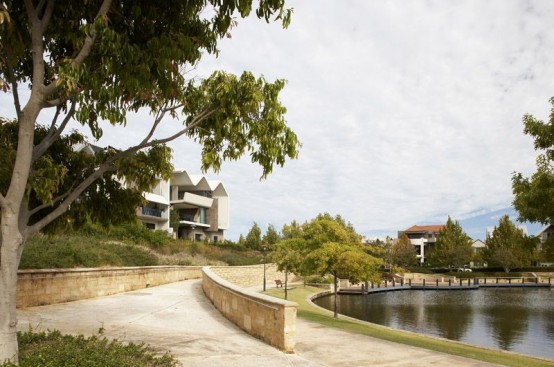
(55, 349)
(137, 233)
(317, 279)
(45, 252)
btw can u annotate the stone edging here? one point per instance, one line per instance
(270, 319)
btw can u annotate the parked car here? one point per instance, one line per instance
(464, 270)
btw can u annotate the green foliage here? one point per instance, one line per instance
(325, 245)
(254, 238)
(508, 246)
(271, 236)
(57, 171)
(403, 253)
(534, 196)
(453, 246)
(67, 251)
(54, 349)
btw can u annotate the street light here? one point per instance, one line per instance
(264, 249)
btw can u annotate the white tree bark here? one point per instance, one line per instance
(11, 241)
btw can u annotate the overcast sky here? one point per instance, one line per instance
(408, 111)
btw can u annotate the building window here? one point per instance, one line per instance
(198, 236)
(215, 239)
(150, 226)
(202, 215)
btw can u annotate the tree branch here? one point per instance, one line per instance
(105, 167)
(47, 13)
(86, 49)
(12, 80)
(54, 201)
(53, 133)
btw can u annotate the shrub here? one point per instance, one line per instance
(44, 252)
(55, 349)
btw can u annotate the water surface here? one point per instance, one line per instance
(519, 320)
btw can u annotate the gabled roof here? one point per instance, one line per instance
(544, 229)
(428, 228)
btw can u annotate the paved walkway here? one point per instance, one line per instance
(179, 318)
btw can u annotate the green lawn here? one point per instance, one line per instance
(311, 313)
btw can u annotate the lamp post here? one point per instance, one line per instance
(264, 249)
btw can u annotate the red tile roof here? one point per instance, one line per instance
(433, 228)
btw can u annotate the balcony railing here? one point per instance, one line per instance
(152, 212)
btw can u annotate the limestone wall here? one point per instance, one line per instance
(43, 287)
(267, 318)
(252, 275)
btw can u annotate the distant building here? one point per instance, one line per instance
(202, 207)
(546, 232)
(478, 249)
(423, 238)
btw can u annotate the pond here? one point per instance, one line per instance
(519, 320)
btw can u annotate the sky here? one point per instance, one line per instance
(408, 111)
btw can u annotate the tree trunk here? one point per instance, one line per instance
(9, 261)
(286, 283)
(335, 314)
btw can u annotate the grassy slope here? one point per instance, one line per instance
(311, 313)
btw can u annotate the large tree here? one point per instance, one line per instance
(508, 246)
(534, 196)
(101, 60)
(453, 246)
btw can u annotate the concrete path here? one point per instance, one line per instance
(178, 318)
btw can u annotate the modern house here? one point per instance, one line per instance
(202, 207)
(423, 238)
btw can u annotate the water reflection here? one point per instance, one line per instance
(520, 320)
(507, 323)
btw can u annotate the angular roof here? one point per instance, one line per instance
(428, 228)
(182, 178)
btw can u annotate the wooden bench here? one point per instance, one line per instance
(278, 283)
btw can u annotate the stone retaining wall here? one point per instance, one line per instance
(251, 275)
(49, 286)
(267, 318)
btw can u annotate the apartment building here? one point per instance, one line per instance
(423, 238)
(202, 207)
(155, 212)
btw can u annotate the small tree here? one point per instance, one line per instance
(288, 256)
(403, 253)
(345, 261)
(453, 246)
(254, 237)
(271, 237)
(506, 246)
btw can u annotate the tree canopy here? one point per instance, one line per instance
(453, 246)
(102, 60)
(403, 253)
(507, 247)
(534, 196)
(325, 245)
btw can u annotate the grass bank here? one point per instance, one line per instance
(311, 313)
(128, 245)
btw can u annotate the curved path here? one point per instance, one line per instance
(178, 318)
